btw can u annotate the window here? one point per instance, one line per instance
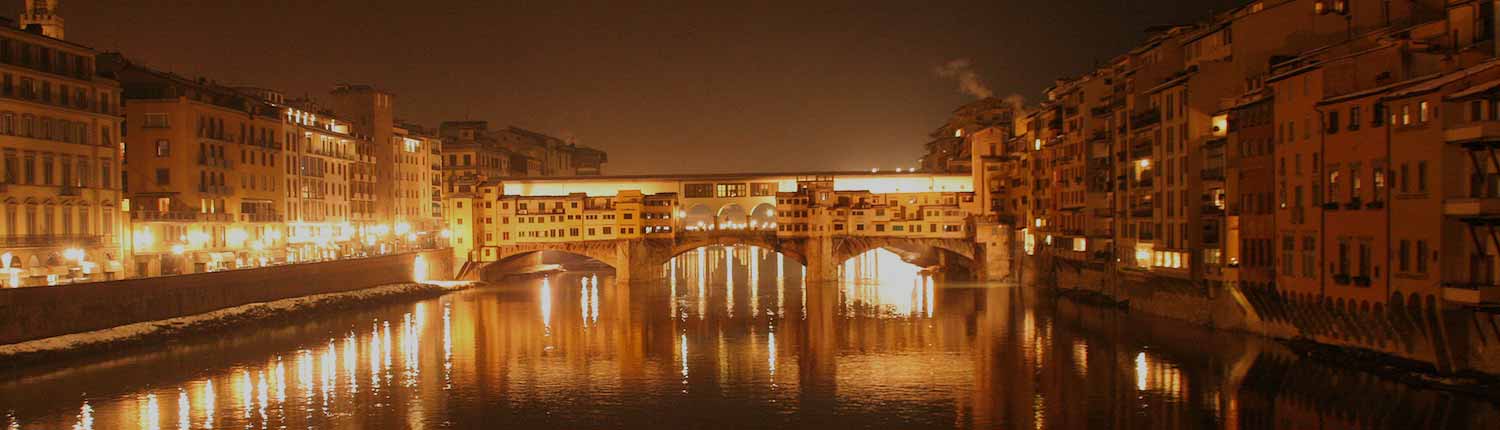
(163, 148)
(1354, 118)
(1404, 253)
(731, 190)
(1422, 112)
(1333, 122)
(155, 120)
(163, 177)
(1421, 256)
(1378, 118)
(1422, 176)
(698, 190)
(1405, 114)
(761, 189)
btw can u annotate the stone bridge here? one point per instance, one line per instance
(642, 260)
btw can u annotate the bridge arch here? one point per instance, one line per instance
(605, 252)
(847, 248)
(689, 242)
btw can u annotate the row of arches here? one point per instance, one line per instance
(701, 217)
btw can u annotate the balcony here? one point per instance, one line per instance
(1143, 211)
(1212, 210)
(1473, 132)
(1472, 293)
(158, 216)
(1140, 149)
(1099, 136)
(1101, 111)
(67, 190)
(180, 216)
(213, 162)
(42, 240)
(1145, 119)
(260, 217)
(1354, 204)
(1471, 206)
(1212, 174)
(1144, 182)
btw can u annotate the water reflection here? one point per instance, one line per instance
(732, 337)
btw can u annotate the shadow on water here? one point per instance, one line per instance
(731, 338)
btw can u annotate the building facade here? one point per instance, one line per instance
(59, 134)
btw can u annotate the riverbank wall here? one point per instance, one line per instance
(1420, 333)
(33, 313)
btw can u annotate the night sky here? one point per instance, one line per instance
(662, 87)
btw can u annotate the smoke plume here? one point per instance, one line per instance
(962, 71)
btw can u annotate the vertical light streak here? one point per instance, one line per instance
(755, 282)
(583, 301)
(184, 410)
(247, 393)
(729, 281)
(702, 282)
(150, 413)
(594, 300)
(546, 300)
(780, 285)
(85, 418)
(351, 362)
(683, 354)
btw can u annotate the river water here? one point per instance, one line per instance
(733, 340)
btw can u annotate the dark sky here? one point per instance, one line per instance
(661, 86)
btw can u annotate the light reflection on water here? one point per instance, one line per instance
(714, 344)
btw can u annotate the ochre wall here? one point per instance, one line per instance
(42, 312)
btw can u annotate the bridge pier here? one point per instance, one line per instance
(822, 262)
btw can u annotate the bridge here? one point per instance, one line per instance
(636, 224)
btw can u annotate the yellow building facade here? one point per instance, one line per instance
(59, 124)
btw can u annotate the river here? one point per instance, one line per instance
(732, 340)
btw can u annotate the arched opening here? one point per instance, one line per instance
(883, 283)
(698, 218)
(763, 217)
(733, 217)
(542, 263)
(733, 281)
(943, 263)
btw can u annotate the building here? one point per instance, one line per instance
(948, 151)
(59, 124)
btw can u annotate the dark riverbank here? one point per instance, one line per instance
(61, 348)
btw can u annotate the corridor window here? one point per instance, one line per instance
(698, 190)
(731, 190)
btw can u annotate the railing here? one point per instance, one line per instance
(51, 240)
(260, 217)
(1140, 150)
(1213, 174)
(157, 216)
(1145, 119)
